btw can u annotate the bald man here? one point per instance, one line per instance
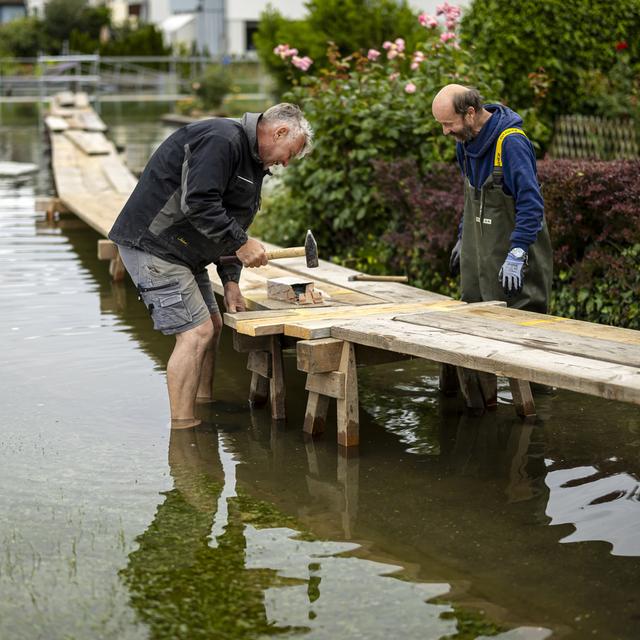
(503, 250)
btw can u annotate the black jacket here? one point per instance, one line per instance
(197, 195)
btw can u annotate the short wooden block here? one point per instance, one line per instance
(319, 356)
(107, 250)
(260, 362)
(327, 384)
(294, 290)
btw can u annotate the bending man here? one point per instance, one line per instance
(503, 249)
(193, 204)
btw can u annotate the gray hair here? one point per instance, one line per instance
(291, 115)
(465, 99)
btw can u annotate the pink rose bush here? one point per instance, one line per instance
(285, 52)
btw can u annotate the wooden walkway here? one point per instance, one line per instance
(359, 323)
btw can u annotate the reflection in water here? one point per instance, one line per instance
(214, 562)
(601, 508)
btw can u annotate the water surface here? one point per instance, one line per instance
(442, 526)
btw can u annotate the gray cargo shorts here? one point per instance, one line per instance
(177, 299)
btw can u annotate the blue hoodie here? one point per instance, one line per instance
(520, 179)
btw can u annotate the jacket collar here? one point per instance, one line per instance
(250, 126)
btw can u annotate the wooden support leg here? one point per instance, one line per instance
(448, 380)
(489, 388)
(117, 270)
(347, 405)
(522, 398)
(471, 391)
(277, 380)
(259, 390)
(315, 416)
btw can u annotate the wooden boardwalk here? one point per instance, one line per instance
(359, 323)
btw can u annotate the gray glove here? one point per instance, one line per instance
(512, 272)
(454, 260)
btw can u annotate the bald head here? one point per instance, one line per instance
(443, 103)
(460, 112)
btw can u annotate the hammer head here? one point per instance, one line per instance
(311, 250)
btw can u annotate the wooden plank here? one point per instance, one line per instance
(91, 121)
(565, 325)
(258, 390)
(584, 375)
(328, 271)
(295, 321)
(118, 175)
(548, 336)
(246, 344)
(81, 100)
(89, 142)
(56, 124)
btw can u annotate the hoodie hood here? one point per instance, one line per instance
(250, 126)
(501, 118)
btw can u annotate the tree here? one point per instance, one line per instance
(63, 17)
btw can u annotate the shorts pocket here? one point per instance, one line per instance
(166, 306)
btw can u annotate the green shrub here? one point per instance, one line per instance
(361, 111)
(542, 49)
(213, 86)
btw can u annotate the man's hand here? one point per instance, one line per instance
(252, 254)
(233, 300)
(454, 260)
(512, 272)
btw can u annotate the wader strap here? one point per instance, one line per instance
(497, 159)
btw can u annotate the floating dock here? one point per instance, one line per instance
(358, 322)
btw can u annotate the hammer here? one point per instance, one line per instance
(309, 251)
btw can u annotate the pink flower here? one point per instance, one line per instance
(392, 53)
(399, 44)
(418, 57)
(446, 36)
(387, 45)
(427, 21)
(301, 63)
(394, 76)
(373, 54)
(284, 51)
(410, 87)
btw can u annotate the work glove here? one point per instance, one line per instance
(512, 272)
(454, 260)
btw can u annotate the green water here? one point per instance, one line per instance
(442, 526)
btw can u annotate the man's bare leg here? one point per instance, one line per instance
(183, 373)
(205, 386)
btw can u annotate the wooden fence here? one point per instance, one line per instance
(578, 136)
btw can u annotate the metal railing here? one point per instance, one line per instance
(116, 77)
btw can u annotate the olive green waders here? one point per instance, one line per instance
(489, 220)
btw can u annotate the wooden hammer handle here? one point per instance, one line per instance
(287, 252)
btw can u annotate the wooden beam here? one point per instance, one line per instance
(327, 384)
(107, 250)
(245, 344)
(260, 362)
(258, 390)
(319, 356)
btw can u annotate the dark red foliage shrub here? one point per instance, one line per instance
(592, 209)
